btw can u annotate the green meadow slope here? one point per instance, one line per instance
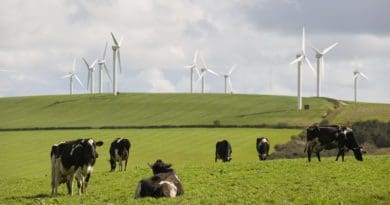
(137, 109)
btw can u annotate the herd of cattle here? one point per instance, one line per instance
(75, 159)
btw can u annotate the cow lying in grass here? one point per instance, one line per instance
(163, 183)
(70, 159)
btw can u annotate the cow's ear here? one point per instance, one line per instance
(168, 165)
(99, 143)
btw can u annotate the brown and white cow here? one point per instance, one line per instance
(73, 159)
(163, 183)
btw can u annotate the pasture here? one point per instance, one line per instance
(25, 170)
(139, 109)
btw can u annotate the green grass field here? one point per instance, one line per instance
(363, 111)
(25, 170)
(157, 109)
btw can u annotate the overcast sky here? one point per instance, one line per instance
(39, 39)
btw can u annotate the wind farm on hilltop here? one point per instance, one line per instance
(199, 69)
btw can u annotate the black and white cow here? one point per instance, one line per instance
(331, 137)
(119, 150)
(163, 183)
(223, 151)
(73, 159)
(262, 146)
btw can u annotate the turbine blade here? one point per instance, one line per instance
(197, 71)
(203, 61)
(329, 48)
(66, 76)
(74, 65)
(104, 53)
(296, 60)
(311, 67)
(322, 67)
(108, 74)
(195, 56)
(114, 39)
(120, 42)
(119, 61)
(94, 63)
(316, 50)
(303, 40)
(231, 70)
(212, 72)
(200, 77)
(86, 63)
(364, 76)
(230, 84)
(77, 78)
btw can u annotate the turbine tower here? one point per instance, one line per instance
(91, 69)
(203, 72)
(103, 68)
(193, 67)
(321, 65)
(299, 60)
(228, 81)
(115, 52)
(72, 75)
(356, 74)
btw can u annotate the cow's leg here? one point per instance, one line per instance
(338, 154)
(318, 156)
(309, 154)
(342, 156)
(215, 156)
(120, 163)
(86, 182)
(79, 179)
(126, 163)
(69, 184)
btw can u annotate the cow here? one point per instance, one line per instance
(73, 159)
(119, 150)
(223, 151)
(262, 146)
(331, 137)
(163, 183)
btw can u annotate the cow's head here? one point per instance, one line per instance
(312, 132)
(113, 164)
(160, 167)
(89, 152)
(352, 144)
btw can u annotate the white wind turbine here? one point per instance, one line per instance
(103, 68)
(115, 52)
(91, 69)
(356, 74)
(203, 72)
(228, 81)
(300, 57)
(72, 75)
(321, 65)
(193, 67)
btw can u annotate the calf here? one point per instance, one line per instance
(70, 159)
(262, 146)
(163, 183)
(330, 137)
(223, 151)
(119, 150)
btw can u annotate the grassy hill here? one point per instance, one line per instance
(177, 109)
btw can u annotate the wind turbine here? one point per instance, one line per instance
(356, 74)
(227, 79)
(102, 68)
(192, 67)
(115, 52)
(321, 65)
(91, 69)
(299, 59)
(72, 75)
(203, 72)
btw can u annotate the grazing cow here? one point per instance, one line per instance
(223, 151)
(119, 150)
(163, 183)
(262, 146)
(70, 159)
(330, 137)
